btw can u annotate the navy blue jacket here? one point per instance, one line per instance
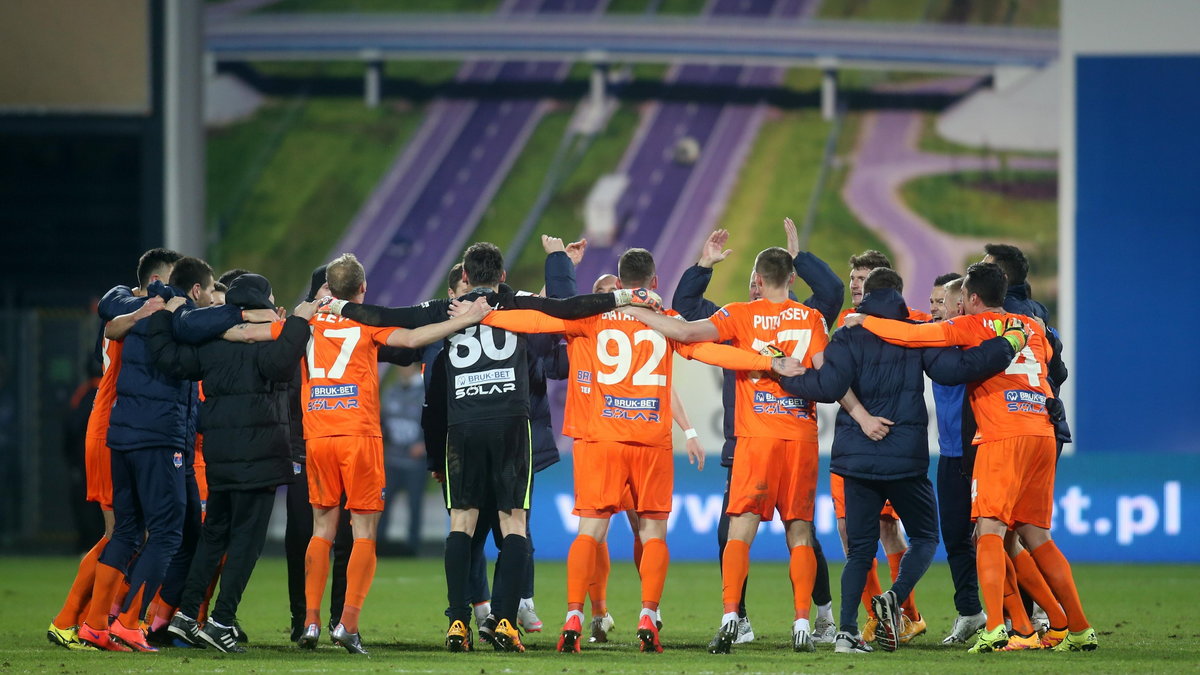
(153, 409)
(1017, 301)
(888, 382)
(828, 294)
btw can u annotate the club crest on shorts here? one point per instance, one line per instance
(178, 460)
(295, 468)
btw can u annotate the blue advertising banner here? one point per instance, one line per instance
(1109, 507)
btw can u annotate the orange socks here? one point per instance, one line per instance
(1030, 578)
(81, 587)
(909, 605)
(1013, 605)
(638, 548)
(581, 566)
(316, 571)
(735, 564)
(360, 571)
(803, 571)
(989, 564)
(598, 588)
(1057, 573)
(132, 617)
(653, 569)
(872, 589)
(108, 582)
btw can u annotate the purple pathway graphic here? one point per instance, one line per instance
(417, 220)
(669, 208)
(885, 159)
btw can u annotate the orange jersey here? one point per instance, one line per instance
(581, 357)
(764, 409)
(340, 394)
(106, 393)
(631, 385)
(913, 315)
(1011, 403)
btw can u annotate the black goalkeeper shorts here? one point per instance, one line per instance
(489, 459)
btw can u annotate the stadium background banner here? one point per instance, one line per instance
(1106, 509)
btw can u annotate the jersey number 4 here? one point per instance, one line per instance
(349, 338)
(1025, 363)
(622, 361)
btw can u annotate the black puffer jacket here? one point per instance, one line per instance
(245, 413)
(889, 382)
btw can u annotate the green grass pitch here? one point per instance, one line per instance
(1145, 615)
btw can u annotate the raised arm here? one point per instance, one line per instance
(676, 329)
(828, 290)
(689, 298)
(560, 269)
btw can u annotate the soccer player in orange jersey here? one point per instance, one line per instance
(575, 415)
(153, 265)
(1013, 477)
(775, 461)
(628, 438)
(345, 443)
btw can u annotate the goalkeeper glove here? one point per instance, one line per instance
(638, 297)
(1013, 330)
(331, 305)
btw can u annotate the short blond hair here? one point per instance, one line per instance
(345, 276)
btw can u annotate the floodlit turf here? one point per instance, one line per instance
(1145, 616)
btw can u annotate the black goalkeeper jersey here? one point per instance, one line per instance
(487, 373)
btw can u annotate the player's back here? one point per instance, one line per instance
(487, 374)
(106, 393)
(1013, 402)
(631, 386)
(764, 409)
(340, 393)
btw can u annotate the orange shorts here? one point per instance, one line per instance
(97, 467)
(1014, 480)
(837, 489)
(626, 502)
(350, 465)
(607, 474)
(770, 475)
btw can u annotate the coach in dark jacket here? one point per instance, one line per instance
(245, 421)
(888, 381)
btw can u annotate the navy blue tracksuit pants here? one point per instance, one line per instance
(148, 497)
(954, 511)
(914, 503)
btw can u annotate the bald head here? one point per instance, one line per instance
(605, 283)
